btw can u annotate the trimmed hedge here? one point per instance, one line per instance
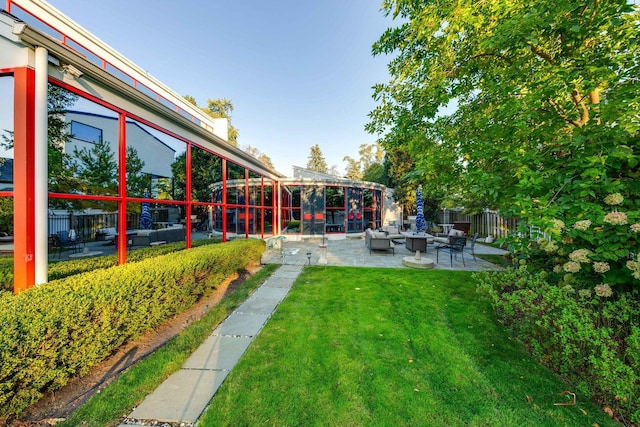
(58, 331)
(61, 269)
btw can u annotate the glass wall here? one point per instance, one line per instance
(313, 209)
(335, 209)
(291, 208)
(354, 210)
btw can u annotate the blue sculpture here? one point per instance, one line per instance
(421, 225)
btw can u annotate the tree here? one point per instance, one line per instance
(206, 169)
(254, 152)
(316, 160)
(353, 169)
(543, 92)
(220, 108)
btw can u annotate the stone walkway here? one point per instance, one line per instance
(184, 396)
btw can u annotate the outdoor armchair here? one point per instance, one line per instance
(456, 246)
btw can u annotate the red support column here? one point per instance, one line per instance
(23, 180)
(224, 200)
(188, 192)
(122, 241)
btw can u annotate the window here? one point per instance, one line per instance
(85, 132)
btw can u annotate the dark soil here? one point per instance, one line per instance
(56, 406)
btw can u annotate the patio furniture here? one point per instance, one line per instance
(458, 229)
(378, 240)
(471, 247)
(456, 246)
(414, 241)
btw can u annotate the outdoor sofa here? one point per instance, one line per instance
(378, 240)
(176, 233)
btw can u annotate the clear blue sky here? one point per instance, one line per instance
(298, 72)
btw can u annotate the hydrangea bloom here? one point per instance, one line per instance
(548, 246)
(635, 227)
(616, 218)
(582, 225)
(634, 266)
(580, 255)
(584, 293)
(601, 267)
(604, 290)
(557, 224)
(614, 199)
(571, 267)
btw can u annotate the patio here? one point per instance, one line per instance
(353, 252)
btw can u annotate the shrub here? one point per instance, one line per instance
(591, 337)
(62, 269)
(57, 331)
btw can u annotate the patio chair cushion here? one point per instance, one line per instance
(452, 233)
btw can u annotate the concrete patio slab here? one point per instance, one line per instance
(218, 353)
(181, 398)
(242, 324)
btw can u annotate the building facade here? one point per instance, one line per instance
(90, 132)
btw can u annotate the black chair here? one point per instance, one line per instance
(456, 246)
(471, 247)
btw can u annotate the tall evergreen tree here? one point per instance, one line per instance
(316, 160)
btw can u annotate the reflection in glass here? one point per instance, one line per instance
(354, 209)
(291, 209)
(206, 170)
(6, 134)
(313, 219)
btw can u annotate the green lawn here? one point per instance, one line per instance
(362, 347)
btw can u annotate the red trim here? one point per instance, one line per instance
(122, 189)
(188, 194)
(23, 179)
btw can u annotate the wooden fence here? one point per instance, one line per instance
(486, 223)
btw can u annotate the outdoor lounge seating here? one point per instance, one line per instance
(456, 246)
(378, 240)
(392, 232)
(177, 233)
(459, 229)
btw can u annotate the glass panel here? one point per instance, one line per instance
(367, 198)
(145, 224)
(268, 222)
(268, 193)
(6, 241)
(335, 220)
(235, 184)
(6, 136)
(156, 163)
(206, 170)
(354, 210)
(202, 218)
(255, 189)
(291, 212)
(86, 163)
(335, 197)
(313, 210)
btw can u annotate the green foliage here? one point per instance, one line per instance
(316, 160)
(132, 386)
(220, 108)
(206, 169)
(591, 337)
(545, 93)
(595, 248)
(62, 269)
(57, 331)
(97, 169)
(365, 346)
(6, 215)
